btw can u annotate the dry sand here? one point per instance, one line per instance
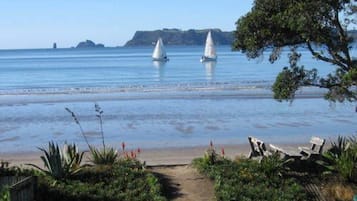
(152, 157)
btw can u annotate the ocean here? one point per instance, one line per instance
(146, 104)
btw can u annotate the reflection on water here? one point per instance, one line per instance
(160, 67)
(210, 67)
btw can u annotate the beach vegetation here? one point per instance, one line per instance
(211, 156)
(127, 179)
(341, 158)
(61, 163)
(246, 179)
(340, 191)
(320, 26)
(124, 180)
(274, 166)
(4, 193)
(105, 155)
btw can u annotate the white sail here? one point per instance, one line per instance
(210, 51)
(159, 53)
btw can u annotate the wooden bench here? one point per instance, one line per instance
(317, 145)
(289, 152)
(302, 152)
(258, 148)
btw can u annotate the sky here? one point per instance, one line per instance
(39, 23)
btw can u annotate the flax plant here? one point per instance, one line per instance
(79, 125)
(106, 156)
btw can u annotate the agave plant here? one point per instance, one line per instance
(72, 157)
(61, 164)
(106, 156)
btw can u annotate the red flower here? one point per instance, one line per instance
(133, 155)
(139, 150)
(123, 146)
(222, 151)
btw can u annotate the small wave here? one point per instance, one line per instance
(135, 88)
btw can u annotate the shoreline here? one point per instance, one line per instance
(191, 93)
(152, 156)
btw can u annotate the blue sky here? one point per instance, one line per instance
(39, 23)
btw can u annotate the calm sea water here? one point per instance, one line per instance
(180, 103)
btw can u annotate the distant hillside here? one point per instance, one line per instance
(89, 44)
(179, 37)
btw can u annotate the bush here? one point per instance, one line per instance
(103, 156)
(247, 180)
(61, 164)
(4, 193)
(125, 180)
(342, 158)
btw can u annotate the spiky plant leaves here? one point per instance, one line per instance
(103, 157)
(60, 164)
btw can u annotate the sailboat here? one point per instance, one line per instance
(159, 53)
(210, 51)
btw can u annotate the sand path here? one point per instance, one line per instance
(184, 183)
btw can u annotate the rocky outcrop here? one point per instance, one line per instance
(89, 44)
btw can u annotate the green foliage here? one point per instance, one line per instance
(274, 166)
(125, 180)
(61, 164)
(342, 157)
(4, 193)
(249, 180)
(291, 78)
(103, 156)
(211, 157)
(317, 25)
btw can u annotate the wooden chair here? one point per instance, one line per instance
(317, 145)
(258, 148)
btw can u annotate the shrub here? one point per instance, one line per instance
(4, 193)
(125, 180)
(103, 156)
(60, 164)
(339, 191)
(342, 157)
(245, 180)
(274, 165)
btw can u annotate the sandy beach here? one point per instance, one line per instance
(152, 157)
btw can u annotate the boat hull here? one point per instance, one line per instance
(207, 59)
(160, 59)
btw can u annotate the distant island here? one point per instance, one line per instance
(179, 37)
(89, 44)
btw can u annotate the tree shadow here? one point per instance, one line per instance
(170, 189)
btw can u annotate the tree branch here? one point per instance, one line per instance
(326, 59)
(343, 38)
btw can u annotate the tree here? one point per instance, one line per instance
(318, 25)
